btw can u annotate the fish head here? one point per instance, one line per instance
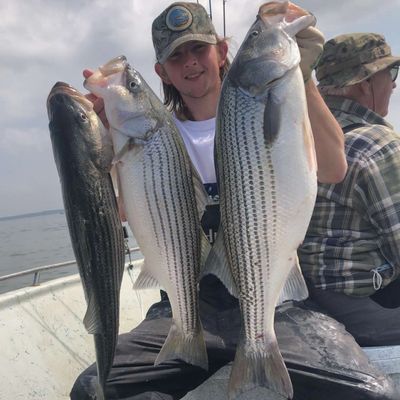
(269, 51)
(108, 75)
(75, 128)
(127, 98)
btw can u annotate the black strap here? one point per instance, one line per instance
(351, 127)
(210, 221)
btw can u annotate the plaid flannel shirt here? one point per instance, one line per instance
(353, 241)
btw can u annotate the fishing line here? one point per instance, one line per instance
(130, 270)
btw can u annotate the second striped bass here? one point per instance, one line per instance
(157, 188)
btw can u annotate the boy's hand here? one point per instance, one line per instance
(98, 103)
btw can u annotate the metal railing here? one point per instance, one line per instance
(37, 270)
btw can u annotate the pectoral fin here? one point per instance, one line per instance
(91, 321)
(145, 280)
(218, 264)
(272, 121)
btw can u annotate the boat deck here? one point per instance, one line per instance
(47, 345)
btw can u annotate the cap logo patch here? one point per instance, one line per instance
(178, 18)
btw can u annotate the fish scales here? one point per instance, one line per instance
(83, 160)
(167, 187)
(243, 211)
(157, 186)
(103, 236)
(266, 171)
(165, 167)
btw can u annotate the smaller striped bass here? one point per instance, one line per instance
(157, 186)
(266, 171)
(83, 156)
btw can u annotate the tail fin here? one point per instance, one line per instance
(190, 348)
(254, 368)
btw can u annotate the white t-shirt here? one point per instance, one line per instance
(199, 141)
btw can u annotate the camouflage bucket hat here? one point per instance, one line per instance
(352, 58)
(180, 23)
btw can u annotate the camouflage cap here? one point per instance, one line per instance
(351, 58)
(180, 23)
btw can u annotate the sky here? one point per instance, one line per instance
(45, 41)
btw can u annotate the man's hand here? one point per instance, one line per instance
(98, 103)
(310, 41)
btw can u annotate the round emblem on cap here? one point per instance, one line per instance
(178, 18)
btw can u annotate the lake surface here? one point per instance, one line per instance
(33, 240)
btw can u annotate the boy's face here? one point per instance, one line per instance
(193, 69)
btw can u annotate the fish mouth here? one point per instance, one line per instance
(99, 77)
(64, 88)
(113, 66)
(62, 91)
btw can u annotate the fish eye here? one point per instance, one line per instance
(134, 84)
(83, 116)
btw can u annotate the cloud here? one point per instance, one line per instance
(45, 41)
(13, 140)
(36, 30)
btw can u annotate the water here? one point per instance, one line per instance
(35, 240)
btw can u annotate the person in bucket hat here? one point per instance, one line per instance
(191, 60)
(351, 64)
(351, 253)
(353, 58)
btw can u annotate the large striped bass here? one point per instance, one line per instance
(83, 157)
(158, 193)
(266, 171)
